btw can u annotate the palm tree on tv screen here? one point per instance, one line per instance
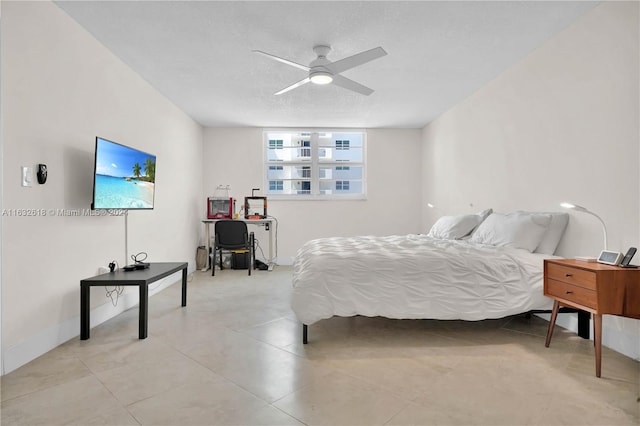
(150, 169)
(136, 170)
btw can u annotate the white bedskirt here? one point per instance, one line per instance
(413, 277)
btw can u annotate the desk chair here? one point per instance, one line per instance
(232, 235)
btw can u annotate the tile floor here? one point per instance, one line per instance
(234, 356)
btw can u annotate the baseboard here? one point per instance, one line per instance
(612, 338)
(286, 261)
(41, 343)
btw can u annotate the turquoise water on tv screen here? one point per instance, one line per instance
(122, 193)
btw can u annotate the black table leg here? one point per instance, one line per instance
(184, 287)
(85, 292)
(583, 324)
(144, 311)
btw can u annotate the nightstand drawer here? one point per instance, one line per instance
(575, 276)
(572, 293)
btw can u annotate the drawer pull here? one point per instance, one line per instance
(568, 292)
(568, 275)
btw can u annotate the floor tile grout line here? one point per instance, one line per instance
(230, 380)
(54, 385)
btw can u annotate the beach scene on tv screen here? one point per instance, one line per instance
(125, 177)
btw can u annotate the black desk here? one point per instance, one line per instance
(140, 277)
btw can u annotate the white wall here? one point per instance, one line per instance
(561, 125)
(61, 88)
(234, 156)
(1, 206)
(1, 261)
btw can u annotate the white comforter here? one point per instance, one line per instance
(414, 276)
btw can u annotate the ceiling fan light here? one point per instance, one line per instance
(321, 77)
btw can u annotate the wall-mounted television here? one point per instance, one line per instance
(123, 178)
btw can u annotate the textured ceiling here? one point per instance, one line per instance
(199, 54)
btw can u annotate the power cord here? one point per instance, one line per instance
(139, 257)
(110, 293)
(257, 241)
(114, 294)
(259, 246)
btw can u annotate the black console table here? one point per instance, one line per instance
(140, 277)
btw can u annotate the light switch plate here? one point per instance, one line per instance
(27, 175)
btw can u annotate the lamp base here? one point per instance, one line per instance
(589, 259)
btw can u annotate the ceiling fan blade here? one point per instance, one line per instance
(284, 61)
(346, 83)
(355, 60)
(293, 86)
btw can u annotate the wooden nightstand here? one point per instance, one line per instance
(593, 287)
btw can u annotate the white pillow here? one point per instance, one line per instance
(483, 215)
(454, 227)
(517, 230)
(554, 233)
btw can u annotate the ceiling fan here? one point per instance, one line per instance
(323, 71)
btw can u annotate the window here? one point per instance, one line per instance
(315, 164)
(342, 144)
(275, 144)
(305, 152)
(303, 187)
(342, 185)
(276, 185)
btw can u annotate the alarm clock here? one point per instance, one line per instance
(610, 257)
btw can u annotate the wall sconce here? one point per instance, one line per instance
(431, 206)
(584, 210)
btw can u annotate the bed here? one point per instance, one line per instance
(469, 267)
